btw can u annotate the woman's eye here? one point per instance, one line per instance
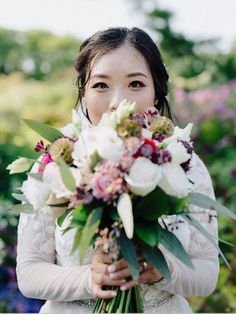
(136, 84)
(100, 85)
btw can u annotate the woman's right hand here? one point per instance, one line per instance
(100, 275)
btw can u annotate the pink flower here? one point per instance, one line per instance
(107, 182)
(45, 160)
(39, 146)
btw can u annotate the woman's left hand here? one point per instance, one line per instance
(120, 270)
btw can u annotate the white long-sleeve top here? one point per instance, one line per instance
(47, 270)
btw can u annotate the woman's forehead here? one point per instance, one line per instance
(125, 58)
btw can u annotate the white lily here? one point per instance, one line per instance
(124, 209)
(125, 109)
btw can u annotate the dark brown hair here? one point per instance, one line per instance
(105, 41)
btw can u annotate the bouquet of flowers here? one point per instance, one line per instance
(115, 182)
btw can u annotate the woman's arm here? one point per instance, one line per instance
(204, 255)
(37, 275)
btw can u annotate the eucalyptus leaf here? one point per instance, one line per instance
(20, 197)
(66, 175)
(48, 132)
(198, 226)
(22, 208)
(36, 176)
(128, 251)
(89, 230)
(174, 246)
(157, 259)
(205, 201)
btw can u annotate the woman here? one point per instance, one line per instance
(112, 65)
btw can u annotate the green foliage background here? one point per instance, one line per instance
(37, 81)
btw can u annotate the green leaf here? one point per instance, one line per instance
(149, 233)
(89, 230)
(36, 176)
(152, 206)
(205, 201)
(62, 217)
(173, 245)
(66, 175)
(77, 239)
(66, 230)
(129, 253)
(20, 197)
(22, 208)
(113, 214)
(48, 132)
(199, 227)
(80, 216)
(157, 259)
(95, 159)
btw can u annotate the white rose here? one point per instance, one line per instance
(52, 177)
(36, 192)
(85, 145)
(125, 109)
(70, 130)
(73, 129)
(174, 180)
(178, 152)
(143, 176)
(109, 144)
(20, 165)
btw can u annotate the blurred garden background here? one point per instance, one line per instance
(37, 81)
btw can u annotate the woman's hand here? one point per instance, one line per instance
(100, 275)
(120, 271)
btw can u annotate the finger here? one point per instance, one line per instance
(100, 268)
(119, 265)
(103, 258)
(104, 280)
(122, 274)
(103, 294)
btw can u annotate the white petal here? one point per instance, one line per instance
(124, 209)
(174, 180)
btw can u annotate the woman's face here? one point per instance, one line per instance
(121, 73)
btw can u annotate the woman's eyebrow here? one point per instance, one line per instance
(100, 75)
(136, 74)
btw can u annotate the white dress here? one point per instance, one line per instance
(47, 270)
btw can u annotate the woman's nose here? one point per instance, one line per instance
(113, 106)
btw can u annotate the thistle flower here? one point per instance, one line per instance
(162, 125)
(61, 149)
(129, 128)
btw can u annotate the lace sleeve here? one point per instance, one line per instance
(37, 274)
(201, 281)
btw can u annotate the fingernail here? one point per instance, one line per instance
(113, 293)
(123, 281)
(112, 276)
(111, 268)
(123, 288)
